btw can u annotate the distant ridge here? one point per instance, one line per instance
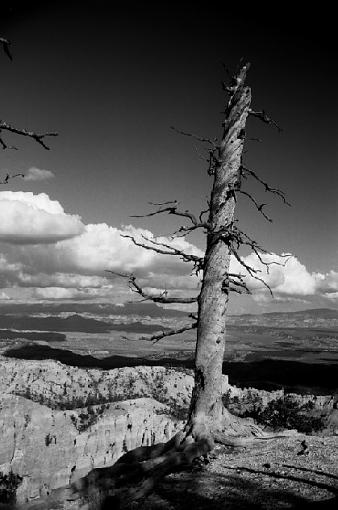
(324, 313)
(142, 309)
(145, 309)
(316, 313)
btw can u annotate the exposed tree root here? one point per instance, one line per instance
(136, 474)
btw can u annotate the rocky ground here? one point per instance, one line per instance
(57, 423)
(269, 475)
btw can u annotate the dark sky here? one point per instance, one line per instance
(112, 80)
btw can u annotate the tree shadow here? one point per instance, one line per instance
(293, 478)
(315, 471)
(206, 490)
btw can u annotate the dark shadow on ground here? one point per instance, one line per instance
(266, 374)
(207, 491)
(273, 474)
(315, 471)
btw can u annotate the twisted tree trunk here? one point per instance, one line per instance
(206, 408)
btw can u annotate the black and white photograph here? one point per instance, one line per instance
(168, 255)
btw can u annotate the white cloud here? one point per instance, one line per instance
(55, 293)
(64, 280)
(99, 248)
(288, 276)
(331, 295)
(29, 219)
(37, 174)
(328, 282)
(289, 280)
(68, 259)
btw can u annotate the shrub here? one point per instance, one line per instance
(8, 485)
(287, 413)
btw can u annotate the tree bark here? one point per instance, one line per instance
(206, 405)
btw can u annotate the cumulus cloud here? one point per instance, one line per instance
(80, 262)
(289, 280)
(64, 280)
(99, 248)
(38, 174)
(52, 255)
(30, 219)
(286, 275)
(51, 293)
(55, 293)
(328, 282)
(333, 296)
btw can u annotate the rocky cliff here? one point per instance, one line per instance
(57, 423)
(47, 447)
(62, 387)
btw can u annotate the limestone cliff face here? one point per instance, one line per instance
(58, 421)
(45, 447)
(59, 386)
(251, 397)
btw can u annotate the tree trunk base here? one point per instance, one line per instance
(135, 474)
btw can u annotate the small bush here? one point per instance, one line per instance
(8, 485)
(287, 413)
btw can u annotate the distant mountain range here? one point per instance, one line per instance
(104, 309)
(313, 313)
(315, 318)
(72, 323)
(152, 310)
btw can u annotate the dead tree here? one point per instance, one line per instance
(5, 127)
(135, 474)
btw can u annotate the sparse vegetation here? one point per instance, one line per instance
(85, 419)
(8, 485)
(284, 412)
(287, 413)
(175, 411)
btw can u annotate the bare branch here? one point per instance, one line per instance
(213, 143)
(8, 177)
(233, 236)
(258, 206)
(171, 332)
(251, 270)
(170, 250)
(172, 208)
(39, 138)
(268, 188)
(237, 280)
(5, 46)
(5, 146)
(161, 298)
(164, 203)
(262, 115)
(259, 140)
(202, 213)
